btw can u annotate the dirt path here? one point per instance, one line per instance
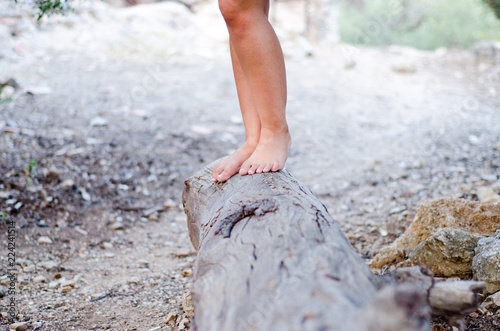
(114, 140)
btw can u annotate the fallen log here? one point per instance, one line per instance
(270, 257)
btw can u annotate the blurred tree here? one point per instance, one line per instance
(50, 6)
(495, 5)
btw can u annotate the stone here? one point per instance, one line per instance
(182, 252)
(43, 223)
(169, 204)
(54, 284)
(85, 195)
(183, 324)
(493, 301)
(448, 253)
(19, 326)
(187, 304)
(143, 263)
(29, 268)
(38, 89)
(49, 264)
(71, 282)
(487, 195)
(98, 121)
(67, 183)
(486, 262)
(44, 240)
(65, 289)
(117, 226)
(495, 298)
(107, 245)
(470, 216)
(40, 279)
(171, 318)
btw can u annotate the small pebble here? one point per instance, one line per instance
(182, 252)
(54, 284)
(19, 326)
(44, 240)
(43, 223)
(98, 121)
(117, 226)
(171, 317)
(107, 245)
(65, 289)
(48, 264)
(495, 299)
(169, 204)
(70, 282)
(143, 263)
(40, 279)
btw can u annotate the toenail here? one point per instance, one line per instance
(220, 175)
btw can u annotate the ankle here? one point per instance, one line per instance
(281, 130)
(249, 145)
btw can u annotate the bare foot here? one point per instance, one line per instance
(230, 165)
(270, 155)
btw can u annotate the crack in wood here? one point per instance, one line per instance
(316, 219)
(258, 208)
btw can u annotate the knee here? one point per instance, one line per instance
(235, 12)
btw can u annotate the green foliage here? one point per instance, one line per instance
(47, 7)
(32, 168)
(424, 24)
(4, 99)
(495, 5)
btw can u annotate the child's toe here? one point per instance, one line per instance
(245, 167)
(259, 169)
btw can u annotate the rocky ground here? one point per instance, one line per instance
(109, 110)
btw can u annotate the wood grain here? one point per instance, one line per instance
(270, 257)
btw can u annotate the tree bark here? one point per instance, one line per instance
(270, 257)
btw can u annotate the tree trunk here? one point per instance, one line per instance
(270, 257)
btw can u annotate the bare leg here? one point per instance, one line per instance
(232, 164)
(258, 52)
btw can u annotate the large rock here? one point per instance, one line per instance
(488, 195)
(486, 262)
(448, 252)
(470, 216)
